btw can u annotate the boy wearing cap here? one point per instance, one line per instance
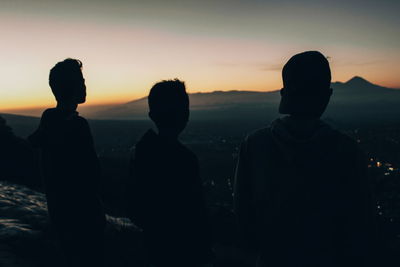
(302, 195)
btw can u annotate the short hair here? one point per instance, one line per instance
(63, 77)
(167, 95)
(306, 73)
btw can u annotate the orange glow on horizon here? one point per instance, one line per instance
(127, 47)
(110, 99)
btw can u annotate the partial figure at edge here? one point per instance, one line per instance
(18, 161)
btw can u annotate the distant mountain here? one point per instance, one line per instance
(358, 81)
(216, 104)
(354, 99)
(358, 99)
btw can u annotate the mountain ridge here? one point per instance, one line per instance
(356, 93)
(354, 81)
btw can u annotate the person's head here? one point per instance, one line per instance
(306, 85)
(169, 106)
(67, 83)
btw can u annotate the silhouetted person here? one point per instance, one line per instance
(302, 194)
(70, 168)
(18, 162)
(165, 196)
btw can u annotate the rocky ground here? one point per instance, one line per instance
(27, 239)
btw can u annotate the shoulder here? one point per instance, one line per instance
(256, 142)
(188, 153)
(80, 120)
(259, 134)
(344, 145)
(258, 137)
(49, 113)
(344, 140)
(56, 114)
(77, 122)
(78, 125)
(145, 145)
(185, 154)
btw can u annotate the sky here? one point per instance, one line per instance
(127, 46)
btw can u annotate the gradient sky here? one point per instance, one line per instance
(126, 46)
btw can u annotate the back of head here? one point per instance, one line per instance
(66, 81)
(169, 104)
(306, 85)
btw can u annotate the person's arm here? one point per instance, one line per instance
(363, 214)
(200, 206)
(133, 201)
(243, 201)
(86, 152)
(244, 209)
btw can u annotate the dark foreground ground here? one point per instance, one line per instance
(26, 238)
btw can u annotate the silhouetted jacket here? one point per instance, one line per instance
(302, 196)
(165, 198)
(70, 170)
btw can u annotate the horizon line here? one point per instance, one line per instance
(99, 104)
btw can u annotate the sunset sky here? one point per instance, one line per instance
(126, 46)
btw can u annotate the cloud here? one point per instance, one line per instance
(359, 63)
(270, 67)
(258, 66)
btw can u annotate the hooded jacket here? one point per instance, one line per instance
(70, 170)
(165, 198)
(302, 196)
